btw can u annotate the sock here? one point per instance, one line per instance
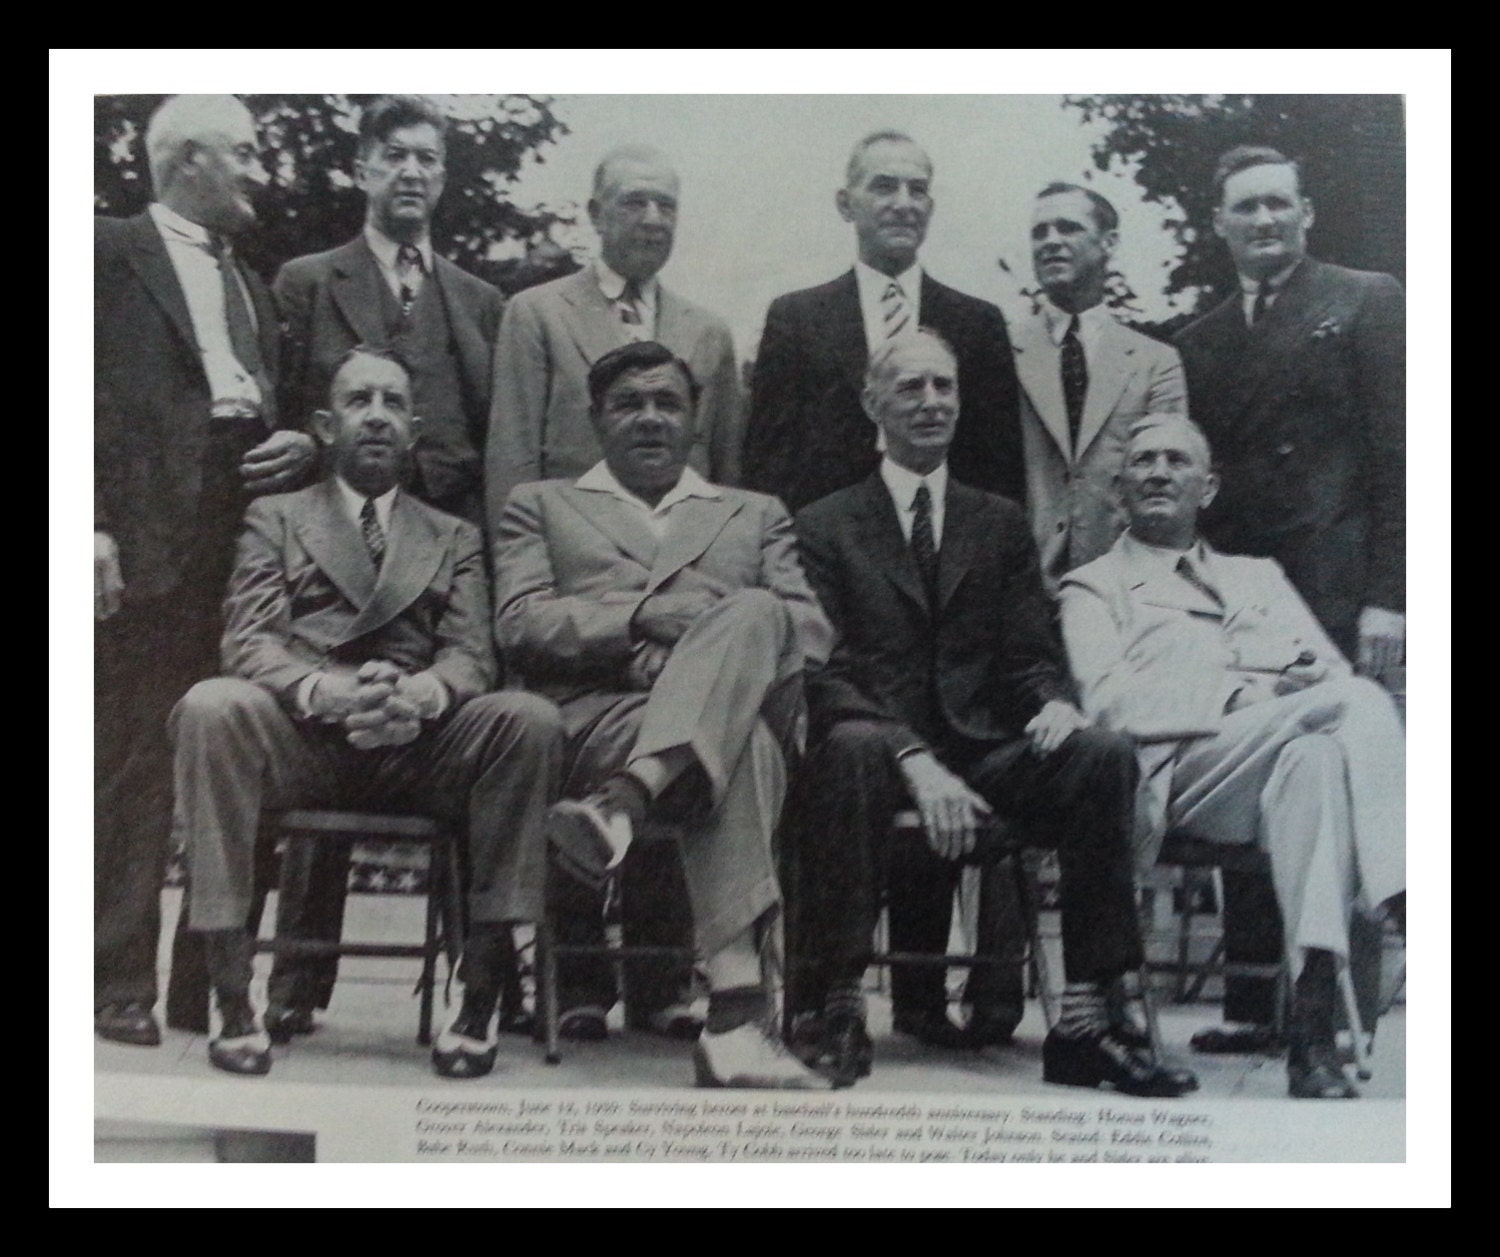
(844, 999)
(734, 1007)
(1313, 998)
(656, 772)
(626, 792)
(1085, 1011)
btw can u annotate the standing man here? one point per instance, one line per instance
(553, 334)
(185, 431)
(1299, 382)
(1084, 380)
(808, 433)
(385, 288)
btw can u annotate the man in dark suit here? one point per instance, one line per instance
(1299, 382)
(184, 433)
(947, 689)
(808, 434)
(359, 657)
(385, 287)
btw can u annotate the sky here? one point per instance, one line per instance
(759, 173)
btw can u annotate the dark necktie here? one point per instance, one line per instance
(409, 274)
(1263, 296)
(242, 337)
(629, 306)
(1075, 379)
(923, 542)
(370, 530)
(1189, 573)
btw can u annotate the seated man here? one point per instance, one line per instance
(357, 643)
(671, 622)
(1249, 724)
(947, 690)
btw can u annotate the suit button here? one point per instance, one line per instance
(1062, 525)
(1285, 448)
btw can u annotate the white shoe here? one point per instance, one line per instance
(590, 839)
(751, 1057)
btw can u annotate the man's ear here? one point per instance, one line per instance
(593, 208)
(1307, 214)
(416, 427)
(841, 200)
(1111, 242)
(1210, 491)
(1219, 221)
(323, 426)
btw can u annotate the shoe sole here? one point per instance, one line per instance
(579, 845)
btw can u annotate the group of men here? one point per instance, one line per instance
(845, 597)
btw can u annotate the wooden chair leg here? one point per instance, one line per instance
(436, 858)
(1038, 959)
(546, 966)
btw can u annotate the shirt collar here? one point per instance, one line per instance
(872, 281)
(385, 249)
(612, 284)
(600, 479)
(172, 225)
(903, 482)
(1276, 282)
(1057, 320)
(1166, 557)
(354, 501)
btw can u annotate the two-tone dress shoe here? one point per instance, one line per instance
(130, 1022)
(847, 1054)
(932, 1027)
(1098, 1060)
(1313, 1072)
(466, 1048)
(242, 1045)
(283, 1021)
(750, 1057)
(584, 1023)
(682, 1020)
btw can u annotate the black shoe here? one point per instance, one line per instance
(283, 1022)
(584, 1024)
(932, 1027)
(465, 1049)
(131, 1022)
(243, 1046)
(992, 1025)
(1101, 1059)
(1232, 1040)
(1313, 1073)
(846, 1054)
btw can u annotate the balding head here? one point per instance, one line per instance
(1167, 480)
(205, 162)
(634, 210)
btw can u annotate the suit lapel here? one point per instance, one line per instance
(329, 536)
(590, 319)
(1039, 366)
(678, 326)
(846, 330)
(1108, 373)
(880, 536)
(1266, 347)
(617, 523)
(960, 539)
(149, 260)
(696, 522)
(412, 557)
(356, 291)
(1158, 587)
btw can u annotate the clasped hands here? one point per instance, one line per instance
(378, 706)
(953, 814)
(659, 622)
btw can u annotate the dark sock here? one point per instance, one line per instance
(735, 1007)
(845, 999)
(625, 792)
(1313, 997)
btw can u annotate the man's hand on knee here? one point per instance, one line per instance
(952, 813)
(1054, 725)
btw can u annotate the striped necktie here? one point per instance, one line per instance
(409, 273)
(371, 531)
(895, 314)
(629, 306)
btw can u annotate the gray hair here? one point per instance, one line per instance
(184, 120)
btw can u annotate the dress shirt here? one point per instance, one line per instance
(385, 250)
(902, 486)
(872, 285)
(599, 479)
(1090, 327)
(1250, 289)
(613, 288)
(190, 250)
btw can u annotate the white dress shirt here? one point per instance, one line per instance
(872, 285)
(613, 288)
(1250, 289)
(902, 486)
(600, 479)
(1090, 327)
(189, 249)
(385, 250)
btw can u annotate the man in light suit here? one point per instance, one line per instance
(387, 287)
(552, 334)
(1299, 381)
(948, 690)
(670, 620)
(1250, 725)
(358, 654)
(808, 433)
(185, 431)
(1084, 379)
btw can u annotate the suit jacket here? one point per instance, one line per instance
(1156, 658)
(331, 301)
(1307, 415)
(977, 667)
(549, 338)
(1071, 499)
(808, 433)
(305, 596)
(573, 565)
(152, 404)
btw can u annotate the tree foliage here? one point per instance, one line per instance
(1352, 150)
(311, 202)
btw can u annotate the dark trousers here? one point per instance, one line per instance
(1078, 800)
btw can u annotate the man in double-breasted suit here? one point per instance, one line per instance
(1084, 379)
(947, 689)
(184, 432)
(808, 433)
(358, 660)
(552, 334)
(670, 620)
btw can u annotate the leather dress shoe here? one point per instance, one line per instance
(1138, 1039)
(584, 1024)
(750, 1057)
(1237, 1040)
(1101, 1059)
(682, 1020)
(590, 836)
(243, 1046)
(131, 1022)
(847, 1054)
(1313, 1073)
(282, 1022)
(932, 1027)
(992, 1026)
(465, 1049)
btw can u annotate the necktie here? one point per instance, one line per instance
(242, 337)
(894, 312)
(1189, 573)
(1263, 296)
(923, 542)
(370, 530)
(630, 310)
(1075, 378)
(409, 274)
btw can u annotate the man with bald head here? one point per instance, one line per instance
(552, 334)
(1249, 724)
(808, 434)
(185, 432)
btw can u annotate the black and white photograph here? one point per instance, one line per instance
(608, 606)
